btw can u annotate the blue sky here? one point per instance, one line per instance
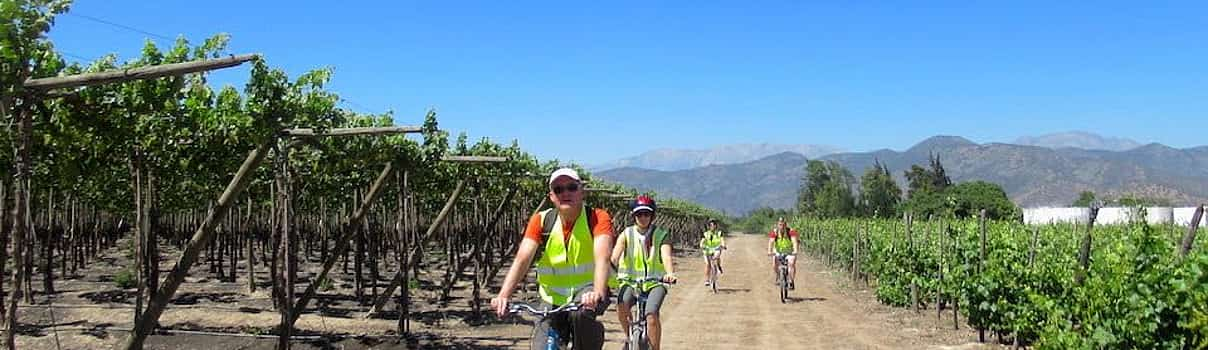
(596, 82)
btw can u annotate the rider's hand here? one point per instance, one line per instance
(500, 305)
(590, 299)
(669, 278)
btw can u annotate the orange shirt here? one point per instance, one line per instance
(603, 225)
(772, 234)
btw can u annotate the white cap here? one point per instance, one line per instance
(568, 172)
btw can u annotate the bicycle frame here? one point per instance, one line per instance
(553, 340)
(638, 338)
(782, 276)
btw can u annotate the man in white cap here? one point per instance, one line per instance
(574, 265)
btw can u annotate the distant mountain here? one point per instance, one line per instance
(1031, 175)
(1078, 139)
(679, 159)
(732, 188)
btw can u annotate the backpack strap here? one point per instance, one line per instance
(551, 215)
(547, 222)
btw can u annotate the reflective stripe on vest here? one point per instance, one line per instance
(636, 263)
(567, 265)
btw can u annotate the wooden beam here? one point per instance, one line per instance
(601, 190)
(201, 238)
(149, 72)
(385, 130)
(474, 159)
(347, 230)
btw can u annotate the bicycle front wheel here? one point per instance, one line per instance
(637, 339)
(784, 285)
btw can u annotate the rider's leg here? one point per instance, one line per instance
(775, 271)
(589, 332)
(654, 326)
(656, 329)
(793, 270)
(624, 308)
(707, 269)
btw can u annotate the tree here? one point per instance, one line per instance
(826, 190)
(970, 197)
(879, 194)
(1085, 199)
(1141, 201)
(933, 179)
(926, 194)
(816, 176)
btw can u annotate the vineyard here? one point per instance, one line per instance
(1052, 287)
(125, 177)
(141, 206)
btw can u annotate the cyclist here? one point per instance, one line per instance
(642, 250)
(711, 244)
(573, 265)
(783, 240)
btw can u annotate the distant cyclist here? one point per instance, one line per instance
(783, 240)
(642, 250)
(711, 244)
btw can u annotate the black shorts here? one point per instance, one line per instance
(654, 300)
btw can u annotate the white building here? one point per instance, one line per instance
(1111, 215)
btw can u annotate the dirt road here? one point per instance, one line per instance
(747, 312)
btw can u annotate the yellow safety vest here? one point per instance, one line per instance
(637, 262)
(567, 265)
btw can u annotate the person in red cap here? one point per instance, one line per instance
(574, 242)
(643, 251)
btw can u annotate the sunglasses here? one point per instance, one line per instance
(574, 187)
(643, 213)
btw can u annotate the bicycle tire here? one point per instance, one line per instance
(784, 285)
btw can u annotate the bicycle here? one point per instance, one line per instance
(782, 276)
(714, 267)
(638, 338)
(553, 340)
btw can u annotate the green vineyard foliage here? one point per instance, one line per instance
(1137, 292)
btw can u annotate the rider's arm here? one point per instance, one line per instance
(520, 267)
(795, 244)
(600, 280)
(617, 250)
(771, 243)
(666, 255)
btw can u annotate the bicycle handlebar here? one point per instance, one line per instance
(515, 308)
(641, 280)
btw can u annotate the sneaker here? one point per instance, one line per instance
(707, 283)
(792, 285)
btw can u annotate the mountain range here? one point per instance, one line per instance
(669, 159)
(1031, 175)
